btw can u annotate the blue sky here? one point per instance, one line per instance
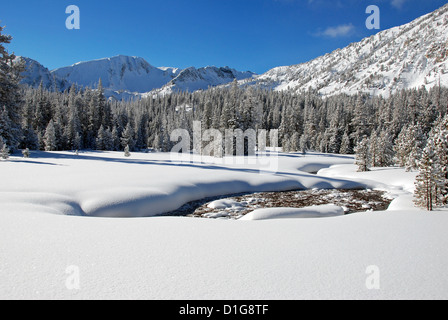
(253, 35)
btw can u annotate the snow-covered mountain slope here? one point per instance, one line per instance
(35, 73)
(408, 56)
(192, 79)
(119, 73)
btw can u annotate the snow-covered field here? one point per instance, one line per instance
(57, 239)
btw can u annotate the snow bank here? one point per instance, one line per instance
(106, 184)
(223, 204)
(289, 213)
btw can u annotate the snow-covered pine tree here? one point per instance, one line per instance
(127, 154)
(26, 153)
(362, 159)
(116, 142)
(73, 129)
(50, 137)
(100, 139)
(4, 150)
(127, 137)
(428, 181)
(417, 143)
(360, 120)
(408, 146)
(385, 149)
(10, 96)
(294, 142)
(401, 147)
(439, 136)
(304, 143)
(345, 144)
(374, 150)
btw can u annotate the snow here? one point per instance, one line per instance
(119, 73)
(108, 184)
(289, 213)
(47, 204)
(194, 79)
(223, 204)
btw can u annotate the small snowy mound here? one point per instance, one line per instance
(329, 210)
(224, 204)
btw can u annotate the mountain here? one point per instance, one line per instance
(120, 73)
(408, 56)
(192, 79)
(125, 77)
(35, 73)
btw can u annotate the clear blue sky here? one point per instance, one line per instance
(251, 35)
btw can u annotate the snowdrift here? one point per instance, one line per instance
(289, 213)
(106, 184)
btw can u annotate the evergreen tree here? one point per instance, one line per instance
(4, 150)
(385, 156)
(304, 143)
(428, 181)
(26, 153)
(362, 155)
(374, 150)
(127, 138)
(294, 143)
(439, 137)
(101, 139)
(10, 97)
(50, 137)
(73, 129)
(126, 152)
(345, 144)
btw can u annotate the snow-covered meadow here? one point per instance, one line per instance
(83, 227)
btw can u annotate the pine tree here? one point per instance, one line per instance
(385, 149)
(73, 129)
(127, 154)
(374, 150)
(408, 147)
(362, 155)
(360, 121)
(304, 143)
(417, 142)
(127, 137)
(50, 137)
(10, 97)
(439, 137)
(4, 150)
(5, 125)
(345, 144)
(26, 153)
(100, 139)
(428, 181)
(115, 139)
(294, 142)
